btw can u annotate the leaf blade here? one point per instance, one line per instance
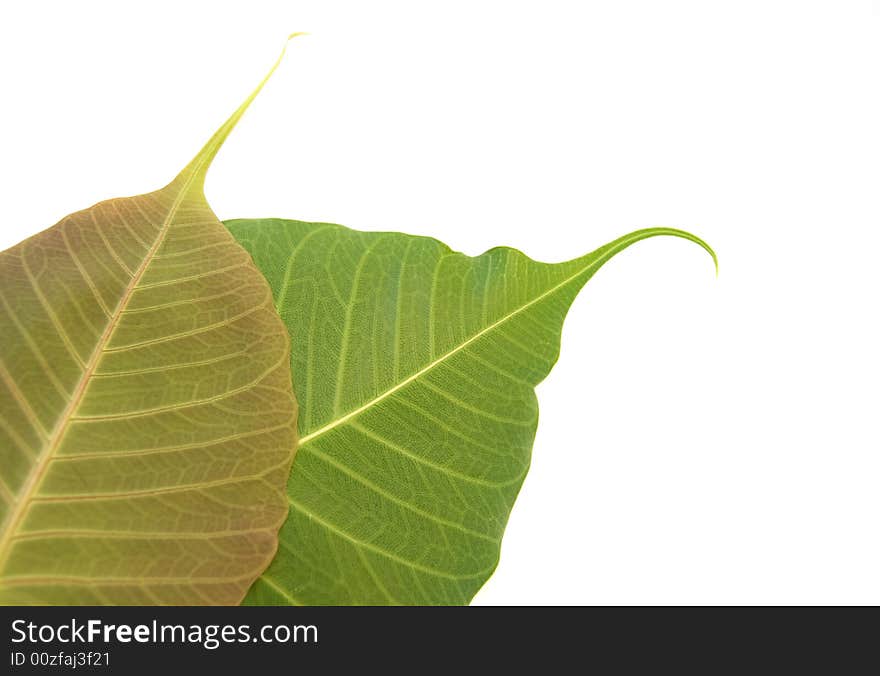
(410, 462)
(123, 483)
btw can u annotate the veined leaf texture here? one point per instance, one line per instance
(147, 419)
(415, 368)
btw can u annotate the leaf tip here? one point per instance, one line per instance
(603, 254)
(708, 249)
(674, 232)
(195, 171)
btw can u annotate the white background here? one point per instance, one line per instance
(702, 440)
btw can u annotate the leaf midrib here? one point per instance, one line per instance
(25, 495)
(458, 348)
(592, 260)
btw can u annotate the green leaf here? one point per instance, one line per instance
(147, 419)
(414, 368)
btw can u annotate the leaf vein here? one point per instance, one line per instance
(387, 393)
(357, 476)
(415, 565)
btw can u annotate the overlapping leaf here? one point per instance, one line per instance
(147, 422)
(415, 370)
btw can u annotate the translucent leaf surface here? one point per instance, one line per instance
(147, 420)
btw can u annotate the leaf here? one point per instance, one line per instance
(415, 368)
(147, 419)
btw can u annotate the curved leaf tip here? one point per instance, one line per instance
(604, 253)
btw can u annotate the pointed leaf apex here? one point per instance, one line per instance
(197, 169)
